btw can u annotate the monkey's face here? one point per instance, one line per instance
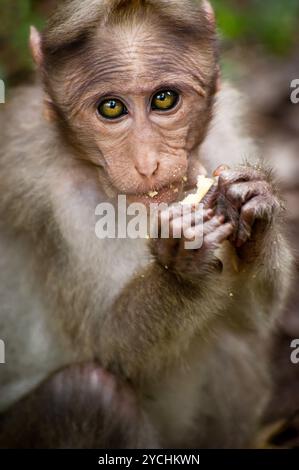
(139, 106)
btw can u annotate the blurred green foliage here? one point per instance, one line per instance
(270, 23)
(16, 18)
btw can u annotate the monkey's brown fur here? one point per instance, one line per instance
(189, 340)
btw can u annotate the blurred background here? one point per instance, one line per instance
(260, 55)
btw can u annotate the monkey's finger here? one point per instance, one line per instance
(214, 223)
(222, 233)
(201, 230)
(239, 193)
(229, 177)
(190, 217)
(202, 215)
(174, 228)
(190, 228)
(176, 211)
(193, 233)
(258, 208)
(208, 214)
(182, 225)
(210, 199)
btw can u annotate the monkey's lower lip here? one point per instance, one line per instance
(166, 195)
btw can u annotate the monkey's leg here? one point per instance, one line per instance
(80, 407)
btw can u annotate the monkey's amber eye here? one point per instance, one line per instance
(112, 109)
(165, 100)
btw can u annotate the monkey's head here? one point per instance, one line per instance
(131, 83)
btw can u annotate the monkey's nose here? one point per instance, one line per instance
(148, 169)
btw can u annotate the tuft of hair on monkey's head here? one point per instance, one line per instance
(75, 20)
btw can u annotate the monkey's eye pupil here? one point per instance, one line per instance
(164, 100)
(112, 109)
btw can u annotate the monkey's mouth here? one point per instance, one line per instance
(167, 195)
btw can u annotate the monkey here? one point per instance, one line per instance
(122, 343)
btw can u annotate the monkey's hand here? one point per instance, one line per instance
(249, 201)
(82, 406)
(205, 233)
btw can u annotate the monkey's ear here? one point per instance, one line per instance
(37, 55)
(209, 11)
(35, 46)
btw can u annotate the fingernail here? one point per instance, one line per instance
(220, 170)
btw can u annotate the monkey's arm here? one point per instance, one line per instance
(158, 313)
(271, 270)
(256, 211)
